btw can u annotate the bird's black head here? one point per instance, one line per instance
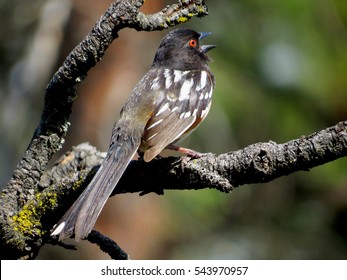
(180, 49)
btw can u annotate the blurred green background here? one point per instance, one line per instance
(281, 70)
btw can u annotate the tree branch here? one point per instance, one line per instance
(257, 163)
(60, 93)
(107, 245)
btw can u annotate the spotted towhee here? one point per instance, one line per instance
(169, 102)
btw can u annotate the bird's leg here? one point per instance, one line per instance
(190, 153)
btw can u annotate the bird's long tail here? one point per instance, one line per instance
(82, 215)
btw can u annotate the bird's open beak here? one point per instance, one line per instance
(206, 48)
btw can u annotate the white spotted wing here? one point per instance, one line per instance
(183, 101)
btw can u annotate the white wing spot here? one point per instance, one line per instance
(187, 114)
(203, 81)
(194, 112)
(162, 109)
(168, 78)
(168, 82)
(154, 124)
(177, 76)
(205, 111)
(167, 73)
(155, 84)
(185, 89)
(152, 136)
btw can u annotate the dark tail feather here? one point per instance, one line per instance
(82, 215)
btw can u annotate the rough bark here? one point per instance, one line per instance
(257, 163)
(60, 93)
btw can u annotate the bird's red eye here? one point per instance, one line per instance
(193, 43)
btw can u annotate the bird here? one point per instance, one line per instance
(167, 104)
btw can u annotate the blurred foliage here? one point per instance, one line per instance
(281, 69)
